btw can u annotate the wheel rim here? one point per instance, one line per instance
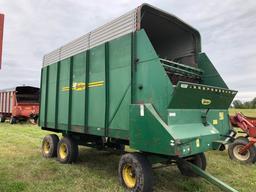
(63, 151)
(241, 157)
(129, 176)
(46, 147)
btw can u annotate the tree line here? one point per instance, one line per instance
(244, 105)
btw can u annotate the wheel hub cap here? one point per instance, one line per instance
(241, 157)
(129, 176)
(46, 147)
(63, 151)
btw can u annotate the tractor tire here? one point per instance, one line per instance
(67, 151)
(199, 160)
(13, 120)
(2, 119)
(247, 158)
(49, 146)
(135, 172)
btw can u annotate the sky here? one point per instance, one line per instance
(34, 28)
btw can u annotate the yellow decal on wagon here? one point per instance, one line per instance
(198, 142)
(80, 86)
(221, 115)
(215, 122)
(206, 101)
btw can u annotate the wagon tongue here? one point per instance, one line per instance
(196, 96)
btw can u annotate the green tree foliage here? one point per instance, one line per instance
(244, 105)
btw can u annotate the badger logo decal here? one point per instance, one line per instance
(206, 101)
(80, 86)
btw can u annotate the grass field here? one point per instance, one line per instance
(22, 168)
(247, 112)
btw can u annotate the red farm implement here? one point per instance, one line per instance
(243, 148)
(20, 103)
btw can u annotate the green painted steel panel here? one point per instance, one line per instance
(148, 132)
(78, 93)
(63, 100)
(119, 83)
(42, 96)
(152, 83)
(211, 75)
(51, 98)
(122, 115)
(95, 90)
(87, 102)
(96, 96)
(197, 96)
(220, 120)
(184, 135)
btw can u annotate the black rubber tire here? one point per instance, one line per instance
(142, 169)
(52, 140)
(198, 160)
(2, 119)
(250, 156)
(71, 151)
(13, 120)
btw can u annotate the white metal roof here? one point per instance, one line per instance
(114, 29)
(123, 25)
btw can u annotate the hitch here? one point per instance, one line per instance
(213, 180)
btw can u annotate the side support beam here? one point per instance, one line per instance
(86, 93)
(106, 87)
(46, 96)
(223, 186)
(57, 95)
(70, 93)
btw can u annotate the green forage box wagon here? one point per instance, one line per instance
(141, 81)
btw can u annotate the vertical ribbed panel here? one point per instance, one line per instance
(52, 57)
(74, 47)
(11, 101)
(117, 28)
(6, 100)
(112, 30)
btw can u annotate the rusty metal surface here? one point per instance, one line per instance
(11, 106)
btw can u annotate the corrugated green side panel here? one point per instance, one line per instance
(51, 97)
(89, 104)
(43, 96)
(78, 97)
(119, 85)
(96, 96)
(63, 97)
